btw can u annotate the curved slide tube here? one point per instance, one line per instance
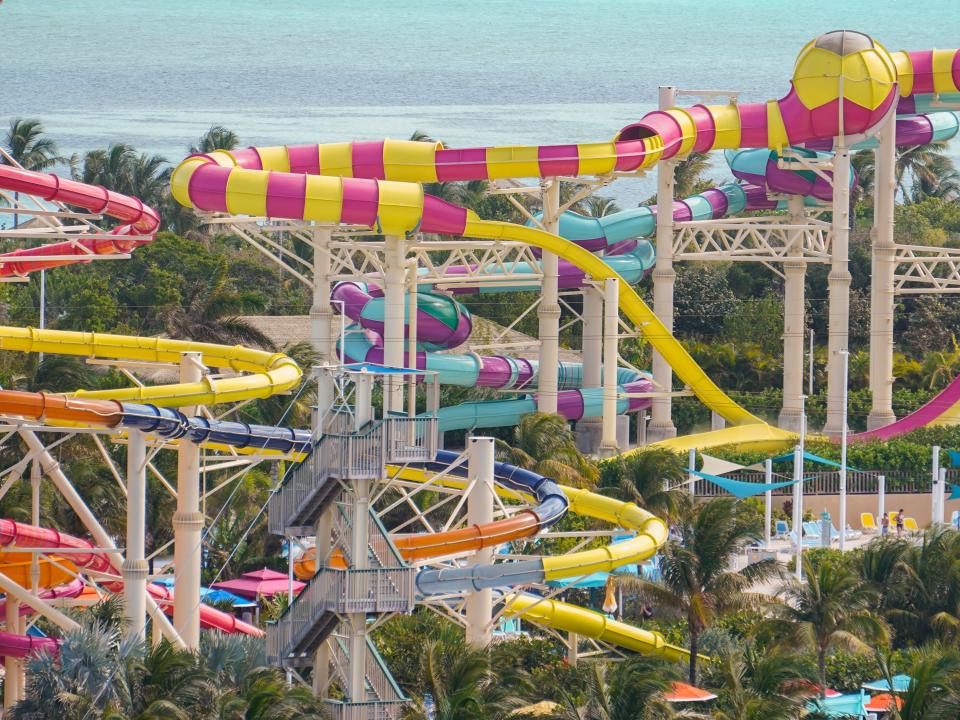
(374, 184)
(265, 373)
(15, 533)
(140, 221)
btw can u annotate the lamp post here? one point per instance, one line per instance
(843, 452)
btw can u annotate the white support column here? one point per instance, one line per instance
(767, 503)
(940, 507)
(611, 332)
(321, 659)
(548, 312)
(480, 505)
(664, 277)
(35, 477)
(691, 466)
(135, 568)
(591, 353)
(357, 622)
(883, 266)
(321, 311)
(12, 666)
(934, 479)
(839, 290)
(881, 498)
(794, 325)
(592, 334)
(51, 468)
(412, 337)
(188, 522)
(363, 400)
(393, 319)
(843, 454)
(797, 520)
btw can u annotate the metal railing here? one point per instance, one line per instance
(348, 456)
(374, 590)
(411, 439)
(828, 482)
(373, 710)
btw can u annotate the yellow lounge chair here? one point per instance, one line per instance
(868, 523)
(910, 524)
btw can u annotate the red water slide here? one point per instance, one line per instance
(140, 222)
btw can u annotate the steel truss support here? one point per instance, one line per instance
(548, 311)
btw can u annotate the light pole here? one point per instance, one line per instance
(843, 453)
(798, 489)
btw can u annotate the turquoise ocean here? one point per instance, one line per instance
(156, 74)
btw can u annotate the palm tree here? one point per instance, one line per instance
(696, 581)
(761, 685)
(940, 179)
(150, 179)
(933, 690)
(26, 144)
(830, 608)
(462, 684)
(652, 478)
(211, 312)
(423, 136)
(544, 443)
(688, 174)
(217, 137)
(923, 602)
(597, 206)
(632, 690)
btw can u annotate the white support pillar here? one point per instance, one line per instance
(934, 480)
(51, 468)
(12, 666)
(794, 325)
(412, 337)
(691, 466)
(611, 332)
(548, 312)
(573, 649)
(363, 400)
(797, 520)
(882, 268)
(188, 522)
(480, 505)
(35, 477)
(321, 311)
(941, 502)
(357, 622)
(322, 549)
(839, 290)
(393, 318)
(881, 498)
(592, 334)
(135, 568)
(843, 454)
(767, 503)
(661, 424)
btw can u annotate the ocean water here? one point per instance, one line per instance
(157, 74)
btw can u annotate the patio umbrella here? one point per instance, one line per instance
(681, 692)
(901, 683)
(844, 706)
(209, 595)
(259, 583)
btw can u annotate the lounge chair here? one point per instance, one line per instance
(807, 541)
(910, 525)
(851, 533)
(782, 529)
(868, 523)
(955, 519)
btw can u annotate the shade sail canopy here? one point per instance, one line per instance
(901, 683)
(683, 693)
(740, 488)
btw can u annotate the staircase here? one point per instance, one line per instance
(382, 583)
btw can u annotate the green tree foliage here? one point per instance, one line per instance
(545, 444)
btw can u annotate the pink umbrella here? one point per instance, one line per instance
(259, 583)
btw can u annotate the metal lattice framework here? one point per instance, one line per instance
(404, 507)
(922, 270)
(765, 240)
